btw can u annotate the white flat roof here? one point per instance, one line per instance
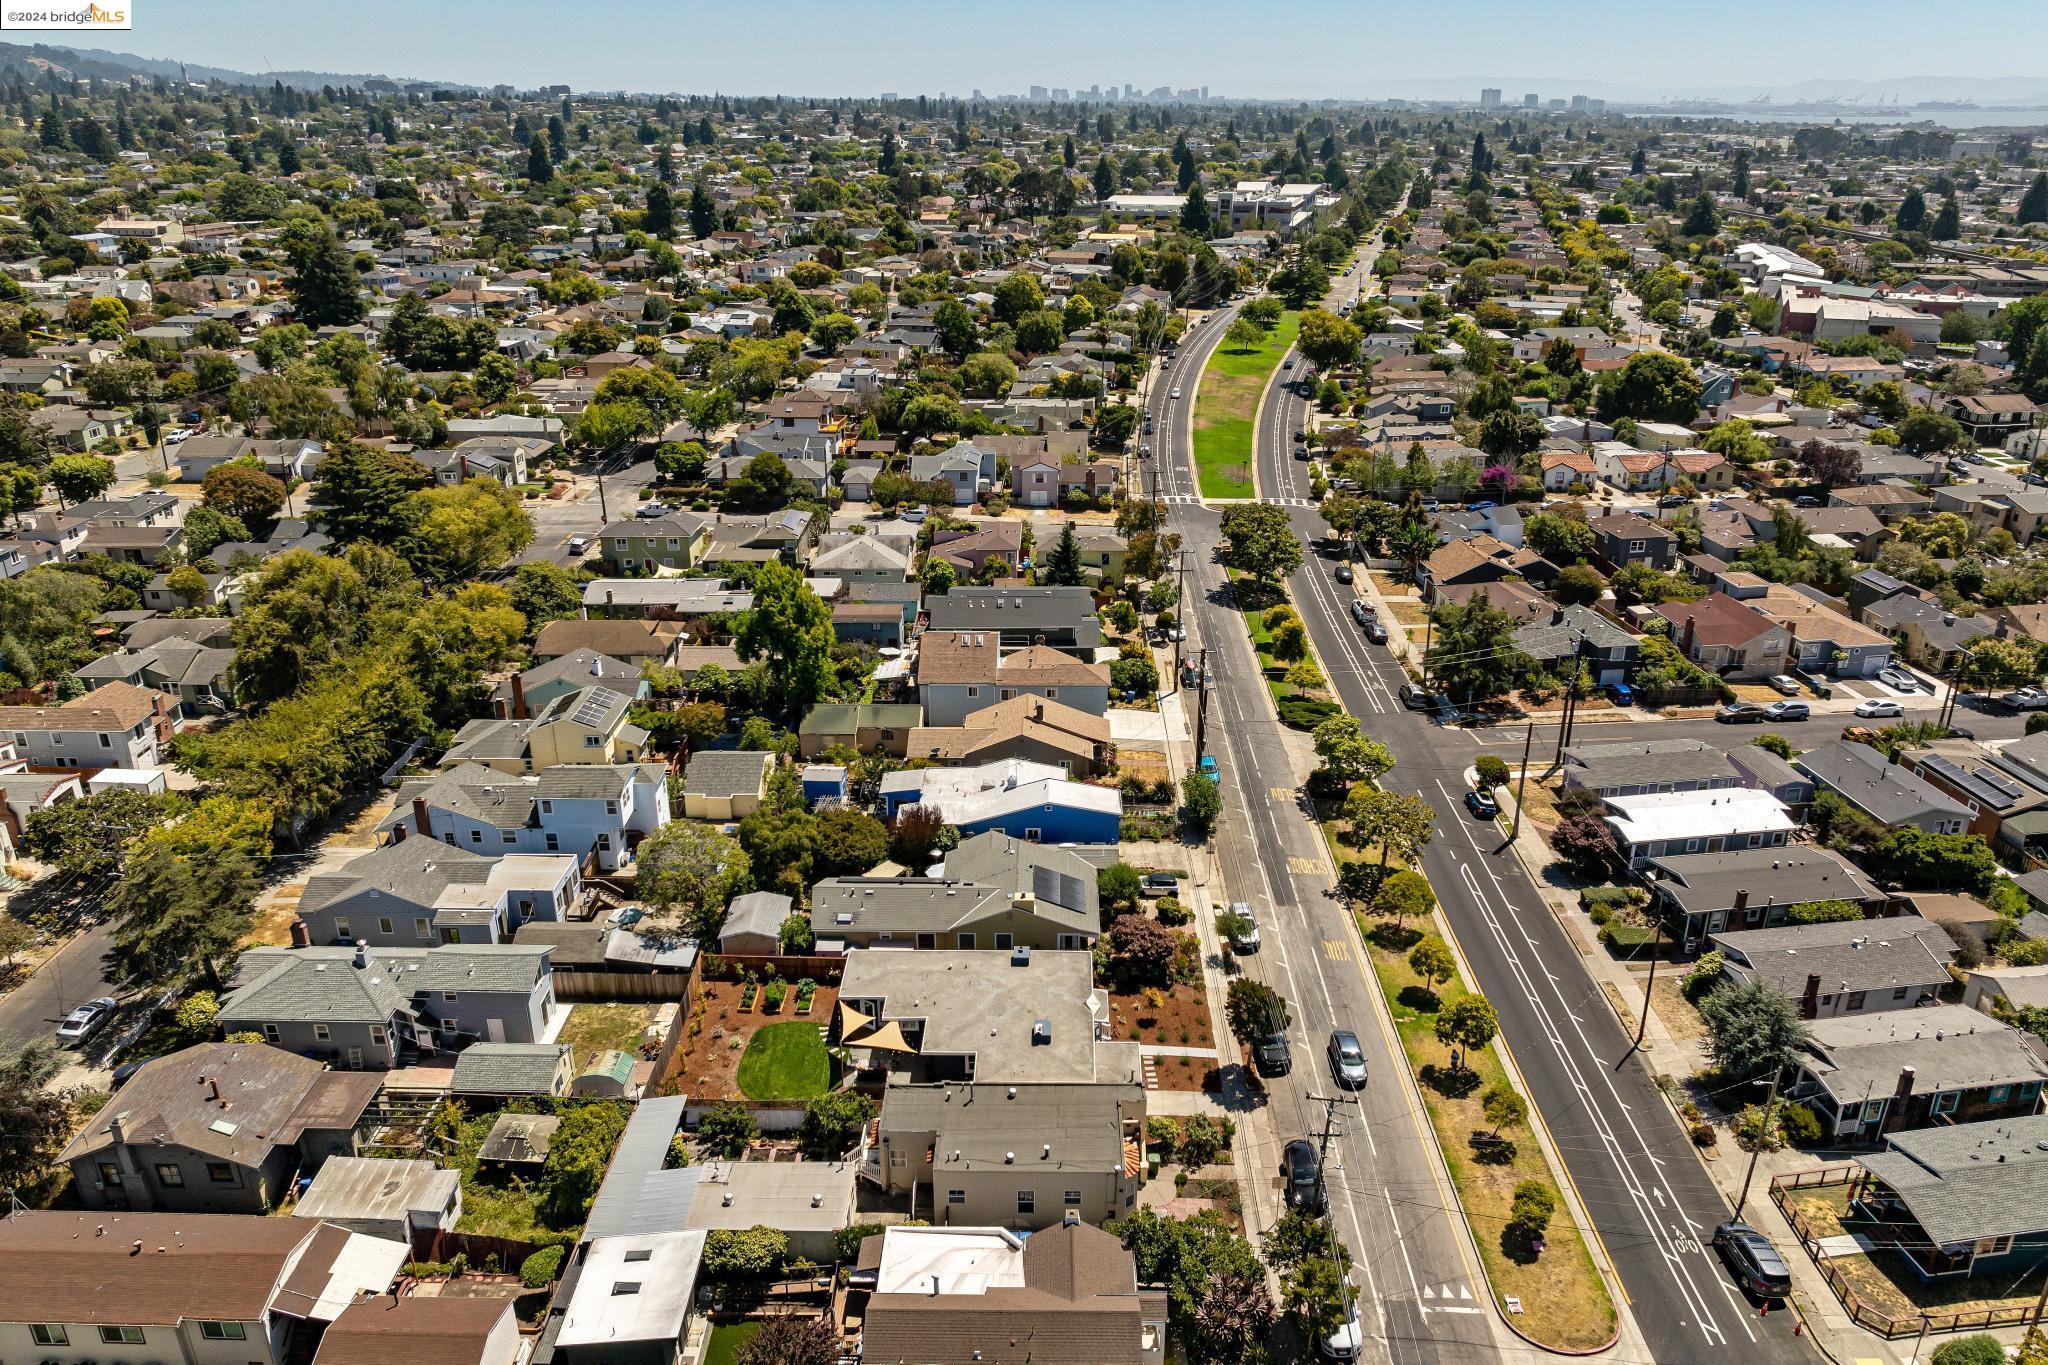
(633, 1288)
(1696, 815)
(932, 1261)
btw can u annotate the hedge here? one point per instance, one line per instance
(1611, 897)
(538, 1270)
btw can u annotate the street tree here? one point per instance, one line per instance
(80, 478)
(35, 1120)
(1503, 1107)
(1260, 542)
(1466, 1023)
(1474, 657)
(1432, 961)
(1397, 824)
(1330, 342)
(176, 911)
(1348, 754)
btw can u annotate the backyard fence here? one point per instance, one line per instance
(826, 971)
(442, 1244)
(574, 985)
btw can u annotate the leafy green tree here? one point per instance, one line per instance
(727, 1129)
(544, 592)
(1923, 431)
(1753, 1029)
(1201, 802)
(1558, 538)
(1063, 565)
(832, 1124)
(1503, 1107)
(1466, 1023)
(1653, 386)
(247, 494)
(35, 1120)
(692, 871)
(80, 478)
(1348, 754)
(1511, 433)
(1188, 1256)
(1474, 657)
(365, 494)
(1397, 824)
(324, 288)
(174, 912)
(87, 838)
(577, 1156)
(2033, 207)
(1912, 214)
(1315, 1295)
(1991, 663)
(1432, 961)
(791, 630)
(1259, 541)
(1703, 219)
(1328, 340)
(464, 530)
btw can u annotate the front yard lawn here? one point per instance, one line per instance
(785, 1062)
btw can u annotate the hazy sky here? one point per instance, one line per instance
(1308, 48)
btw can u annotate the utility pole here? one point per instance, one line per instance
(1522, 781)
(1770, 1105)
(1564, 717)
(1201, 706)
(1180, 612)
(1330, 1103)
(1656, 946)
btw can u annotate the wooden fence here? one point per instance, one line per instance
(441, 1244)
(574, 984)
(1872, 1319)
(826, 971)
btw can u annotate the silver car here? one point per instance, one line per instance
(1347, 1059)
(88, 1019)
(1248, 941)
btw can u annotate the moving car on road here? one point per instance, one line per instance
(1347, 1059)
(1754, 1260)
(1272, 1056)
(1343, 573)
(1302, 1170)
(88, 1019)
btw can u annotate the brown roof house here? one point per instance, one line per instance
(193, 1288)
(962, 672)
(216, 1128)
(422, 1331)
(1066, 1296)
(116, 725)
(1028, 727)
(1726, 637)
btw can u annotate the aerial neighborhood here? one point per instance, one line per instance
(1085, 725)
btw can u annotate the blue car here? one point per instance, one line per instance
(1621, 694)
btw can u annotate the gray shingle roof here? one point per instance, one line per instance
(726, 772)
(1949, 1047)
(1863, 955)
(1882, 790)
(507, 1068)
(1971, 1180)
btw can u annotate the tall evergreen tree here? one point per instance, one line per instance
(703, 209)
(539, 169)
(1194, 214)
(2034, 203)
(325, 289)
(660, 221)
(1948, 222)
(1912, 215)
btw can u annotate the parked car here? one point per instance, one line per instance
(1898, 678)
(1740, 713)
(1754, 1260)
(2026, 699)
(88, 1019)
(579, 545)
(1347, 1058)
(1302, 1171)
(914, 515)
(1272, 1056)
(1879, 708)
(1343, 573)
(1346, 1343)
(1806, 500)
(1159, 884)
(1375, 631)
(1483, 505)
(1673, 500)
(1248, 941)
(1784, 684)
(1360, 611)
(1787, 710)
(647, 511)
(1482, 804)
(1621, 694)
(1416, 699)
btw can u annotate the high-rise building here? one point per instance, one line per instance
(1038, 93)
(1489, 98)
(1596, 106)
(1059, 92)
(1578, 104)
(1531, 100)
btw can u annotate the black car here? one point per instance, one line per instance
(1740, 713)
(1343, 573)
(1302, 1172)
(1482, 804)
(1272, 1056)
(1754, 1260)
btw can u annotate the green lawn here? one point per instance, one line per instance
(594, 1028)
(1226, 405)
(726, 1340)
(785, 1062)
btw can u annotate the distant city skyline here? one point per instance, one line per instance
(1315, 49)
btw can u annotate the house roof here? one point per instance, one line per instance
(378, 1189)
(1860, 955)
(849, 717)
(417, 1330)
(1949, 1047)
(954, 657)
(1882, 790)
(325, 984)
(107, 708)
(1042, 610)
(1970, 1180)
(1716, 619)
(265, 1098)
(84, 1267)
(1656, 817)
(507, 1068)
(1637, 761)
(727, 772)
(1064, 1296)
(634, 1288)
(622, 639)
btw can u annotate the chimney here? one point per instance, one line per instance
(213, 1089)
(518, 698)
(1741, 901)
(1071, 1218)
(421, 818)
(362, 954)
(1809, 1001)
(302, 937)
(1905, 1085)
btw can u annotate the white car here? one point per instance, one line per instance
(1248, 941)
(2026, 699)
(1176, 391)
(1877, 708)
(177, 438)
(88, 1019)
(1899, 678)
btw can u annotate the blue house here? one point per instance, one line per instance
(823, 782)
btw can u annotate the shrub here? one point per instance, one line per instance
(1305, 713)
(1704, 1136)
(1750, 1133)
(1530, 1213)
(832, 1124)
(1163, 1132)
(538, 1270)
(773, 994)
(727, 1130)
(846, 1242)
(1705, 974)
(1172, 912)
(1612, 898)
(1624, 937)
(1980, 1348)
(1203, 1140)
(1492, 769)
(1799, 1126)
(749, 1253)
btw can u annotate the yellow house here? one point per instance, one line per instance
(588, 725)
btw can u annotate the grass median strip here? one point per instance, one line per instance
(1565, 1304)
(1225, 407)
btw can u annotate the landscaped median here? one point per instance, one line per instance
(1481, 1123)
(1226, 409)
(1504, 1181)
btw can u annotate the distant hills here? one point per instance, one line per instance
(87, 63)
